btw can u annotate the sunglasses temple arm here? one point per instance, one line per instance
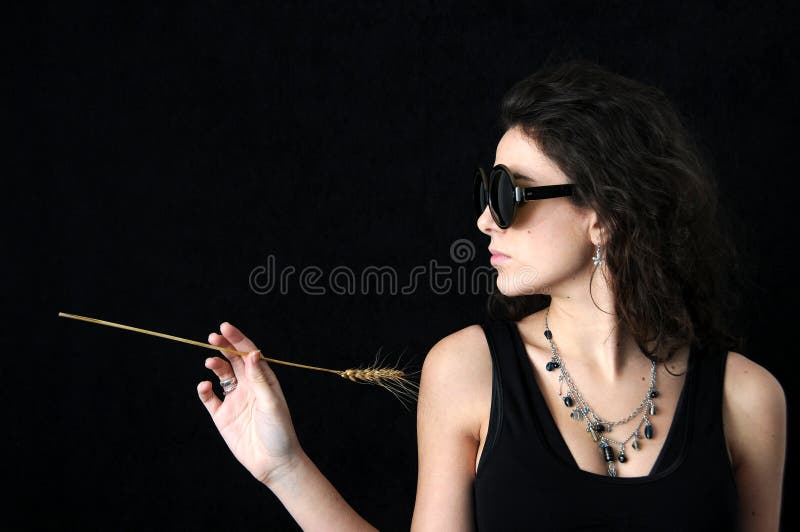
(546, 192)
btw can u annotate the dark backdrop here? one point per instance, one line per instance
(172, 150)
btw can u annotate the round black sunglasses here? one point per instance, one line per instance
(503, 196)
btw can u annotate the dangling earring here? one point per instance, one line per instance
(597, 260)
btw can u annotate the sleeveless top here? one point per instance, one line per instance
(527, 479)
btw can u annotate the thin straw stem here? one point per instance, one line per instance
(187, 341)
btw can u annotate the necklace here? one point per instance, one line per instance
(596, 426)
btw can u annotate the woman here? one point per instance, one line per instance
(604, 393)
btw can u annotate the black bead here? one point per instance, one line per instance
(648, 431)
(568, 400)
(548, 334)
(608, 453)
(599, 428)
(622, 458)
(550, 366)
(654, 393)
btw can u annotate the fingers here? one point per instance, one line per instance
(221, 368)
(233, 338)
(236, 360)
(205, 390)
(239, 341)
(208, 397)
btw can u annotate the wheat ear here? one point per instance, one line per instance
(392, 379)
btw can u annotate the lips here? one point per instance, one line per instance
(498, 257)
(494, 251)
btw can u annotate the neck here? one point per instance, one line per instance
(587, 331)
(589, 336)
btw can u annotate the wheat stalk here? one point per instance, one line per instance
(396, 381)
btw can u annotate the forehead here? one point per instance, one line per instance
(523, 157)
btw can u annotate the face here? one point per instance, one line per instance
(549, 245)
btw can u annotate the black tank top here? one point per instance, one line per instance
(527, 478)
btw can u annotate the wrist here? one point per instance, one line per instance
(296, 462)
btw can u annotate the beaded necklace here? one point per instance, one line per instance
(596, 426)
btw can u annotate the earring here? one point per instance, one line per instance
(597, 260)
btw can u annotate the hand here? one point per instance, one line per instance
(254, 418)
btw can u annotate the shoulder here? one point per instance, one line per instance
(458, 357)
(466, 342)
(750, 387)
(453, 372)
(753, 400)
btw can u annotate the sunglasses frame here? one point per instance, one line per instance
(519, 195)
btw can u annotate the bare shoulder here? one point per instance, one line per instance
(754, 419)
(465, 344)
(459, 357)
(750, 386)
(753, 400)
(457, 367)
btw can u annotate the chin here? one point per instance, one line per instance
(523, 281)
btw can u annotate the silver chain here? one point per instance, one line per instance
(596, 425)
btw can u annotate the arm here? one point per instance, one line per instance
(448, 431)
(754, 414)
(312, 500)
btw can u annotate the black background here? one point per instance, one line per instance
(170, 150)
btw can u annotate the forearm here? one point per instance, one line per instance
(313, 501)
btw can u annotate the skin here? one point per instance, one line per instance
(550, 245)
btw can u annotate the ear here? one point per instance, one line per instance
(595, 228)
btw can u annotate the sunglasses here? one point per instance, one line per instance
(503, 196)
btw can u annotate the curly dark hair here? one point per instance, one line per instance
(626, 148)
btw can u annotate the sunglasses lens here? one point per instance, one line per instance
(501, 197)
(479, 195)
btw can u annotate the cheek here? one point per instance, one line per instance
(531, 235)
(554, 246)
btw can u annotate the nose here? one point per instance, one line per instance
(486, 223)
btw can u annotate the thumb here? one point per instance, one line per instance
(261, 375)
